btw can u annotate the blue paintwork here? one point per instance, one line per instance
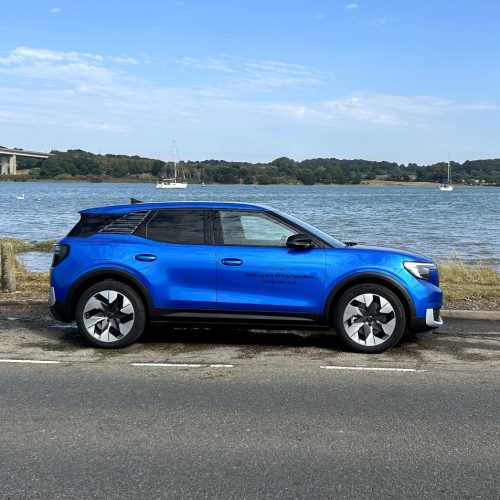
(238, 278)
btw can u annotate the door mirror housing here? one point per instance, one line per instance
(300, 242)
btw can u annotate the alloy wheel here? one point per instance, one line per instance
(108, 316)
(369, 319)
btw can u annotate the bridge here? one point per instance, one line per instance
(8, 164)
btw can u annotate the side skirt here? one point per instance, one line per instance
(268, 320)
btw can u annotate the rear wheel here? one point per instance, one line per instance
(369, 318)
(110, 314)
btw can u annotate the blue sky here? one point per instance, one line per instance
(252, 80)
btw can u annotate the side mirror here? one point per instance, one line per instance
(300, 241)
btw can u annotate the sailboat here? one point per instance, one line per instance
(447, 185)
(172, 182)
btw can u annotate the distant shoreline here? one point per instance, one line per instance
(365, 183)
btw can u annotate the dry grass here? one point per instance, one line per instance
(470, 284)
(20, 246)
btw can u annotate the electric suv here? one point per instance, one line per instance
(205, 264)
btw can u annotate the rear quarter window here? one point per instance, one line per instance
(90, 224)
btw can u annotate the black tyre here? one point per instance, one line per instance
(110, 314)
(369, 318)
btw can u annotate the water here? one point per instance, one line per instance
(465, 222)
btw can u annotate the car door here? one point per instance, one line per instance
(257, 272)
(173, 252)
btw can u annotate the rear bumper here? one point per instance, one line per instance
(61, 312)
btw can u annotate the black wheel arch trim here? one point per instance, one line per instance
(366, 277)
(109, 273)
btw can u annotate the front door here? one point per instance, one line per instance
(258, 273)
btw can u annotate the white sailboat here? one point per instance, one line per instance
(172, 183)
(447, 185)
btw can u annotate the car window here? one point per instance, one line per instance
(253, 229)
(177, 226)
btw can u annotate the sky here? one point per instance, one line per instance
(253, 80)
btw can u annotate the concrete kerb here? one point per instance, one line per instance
(445, 313)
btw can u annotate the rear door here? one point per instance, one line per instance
(257, 272)
(173, 252)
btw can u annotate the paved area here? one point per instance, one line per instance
(32, 334)
(211, 414)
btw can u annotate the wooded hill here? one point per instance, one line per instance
(77, 164)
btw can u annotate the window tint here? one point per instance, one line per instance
(253, 229)
(90, 224)
(178, 226)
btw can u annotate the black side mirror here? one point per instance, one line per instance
(300, 241)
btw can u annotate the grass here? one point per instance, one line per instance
(464, 287)
(21, 246)
(470, 284)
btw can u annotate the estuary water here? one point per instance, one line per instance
(464, 223)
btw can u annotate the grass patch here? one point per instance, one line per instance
(464, 283)
(21, 246)
(30, 286)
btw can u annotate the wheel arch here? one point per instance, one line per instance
(100, 275)
(366, 278)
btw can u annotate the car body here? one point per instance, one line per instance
(238, 264)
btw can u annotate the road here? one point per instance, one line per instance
(277, 416)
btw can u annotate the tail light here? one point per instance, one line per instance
(60, 252)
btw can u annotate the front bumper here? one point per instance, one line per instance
(431, 321)
(433, 318)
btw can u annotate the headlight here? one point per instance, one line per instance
(421, 270)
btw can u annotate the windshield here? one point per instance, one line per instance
(313, 230)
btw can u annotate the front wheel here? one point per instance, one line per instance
(369, 318)
(110, 314)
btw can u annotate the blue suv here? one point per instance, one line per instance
(205, 264)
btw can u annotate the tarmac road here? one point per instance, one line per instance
(280, 415)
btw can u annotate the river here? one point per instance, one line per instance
(463, 223)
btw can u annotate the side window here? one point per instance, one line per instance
(177, 226)
(253, 229)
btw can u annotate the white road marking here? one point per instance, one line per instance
(181, 365)
(30, 361)
(374, 369)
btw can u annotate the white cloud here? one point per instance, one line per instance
(381, 21)
(55, 10)
(352, 6)
(124, 60)
(209, 64)
(256, 74)
(23, 55)
(320, 16)
(89, 101)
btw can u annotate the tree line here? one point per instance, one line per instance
(78, 164)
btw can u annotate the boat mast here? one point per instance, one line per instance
(175, 155)
(449, 180)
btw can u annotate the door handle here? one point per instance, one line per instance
(231, 262)
(146, 257)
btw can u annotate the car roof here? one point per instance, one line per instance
(123, 209)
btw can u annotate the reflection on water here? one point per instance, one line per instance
(465, 222)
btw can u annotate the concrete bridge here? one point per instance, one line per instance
(8, 165)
